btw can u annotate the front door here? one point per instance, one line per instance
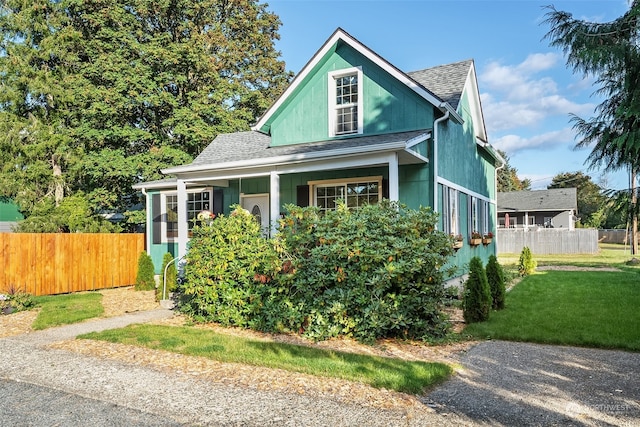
(258, 205)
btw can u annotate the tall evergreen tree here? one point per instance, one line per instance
(609, 51)
(508, 179)
(98, 95)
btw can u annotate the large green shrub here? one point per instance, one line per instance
(171, 277)
(496, 279)
(228, 261)
(526, 264)
(368, 273)
(145, 278)
(476, 303)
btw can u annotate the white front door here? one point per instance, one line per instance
(258, 205)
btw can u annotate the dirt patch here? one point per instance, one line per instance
(116, 301)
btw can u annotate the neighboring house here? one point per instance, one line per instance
(9, 215)
(555, 208)
(350, 126)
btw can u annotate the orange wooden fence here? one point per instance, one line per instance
(48, 264)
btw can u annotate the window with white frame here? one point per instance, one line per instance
(474, 221)
(450, 221)
(197, 201)
(485, 218)
(345, 102)
(355, 192)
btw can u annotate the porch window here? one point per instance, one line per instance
(345, 102)
(197, 201)
(356, 193)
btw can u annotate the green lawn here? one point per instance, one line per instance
(610, 255)
(380, 372)
(66, 309)
(581, 308)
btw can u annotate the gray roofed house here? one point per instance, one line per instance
(553, 208)
(350, 126)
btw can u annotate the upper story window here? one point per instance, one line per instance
(345, 102)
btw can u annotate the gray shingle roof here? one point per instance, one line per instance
(253, 145)
(445, 81)
(557, 199)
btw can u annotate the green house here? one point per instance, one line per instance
(9, 215)
(350, 126)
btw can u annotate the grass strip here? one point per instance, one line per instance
(578, 308)
(380, 372)
(66, 309)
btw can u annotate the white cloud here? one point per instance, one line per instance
(513, 143)
(526, 94)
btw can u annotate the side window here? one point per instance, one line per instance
(474, 221)
(454, 223)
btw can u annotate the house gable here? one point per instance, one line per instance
(391, 100)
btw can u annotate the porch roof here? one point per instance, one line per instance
(252, 148)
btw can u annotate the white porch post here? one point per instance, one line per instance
(274, 201)
(394, 184)
(183, 225)
(526, 221)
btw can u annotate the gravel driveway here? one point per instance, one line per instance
(500, 383)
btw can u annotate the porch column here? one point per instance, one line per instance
(394, 184)
(274, 201)
(526, 221)
(183, 225)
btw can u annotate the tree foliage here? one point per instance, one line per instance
(476, 301)
(591, 200)
(609, 51)
(508, 179)
(496, 279)
(99, 95)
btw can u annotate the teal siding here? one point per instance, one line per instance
(389, 106)
(416, 186)
(461, 160)
(157, 252)
(9, 211)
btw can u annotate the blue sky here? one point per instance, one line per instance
(526, 89)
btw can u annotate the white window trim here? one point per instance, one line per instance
(163, 210)
(473, 220)
(342, 181)
(331, 92)
(485, 217)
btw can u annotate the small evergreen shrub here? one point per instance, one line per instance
(171, 277)
(526, 264)
(145, 278)
(496, 279)
(476, 304)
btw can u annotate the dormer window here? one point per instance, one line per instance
(345, 102)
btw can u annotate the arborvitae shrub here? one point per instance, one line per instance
(496, 279)
(476, 303)
(145, 278)
(171, 277)
(526, 264)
